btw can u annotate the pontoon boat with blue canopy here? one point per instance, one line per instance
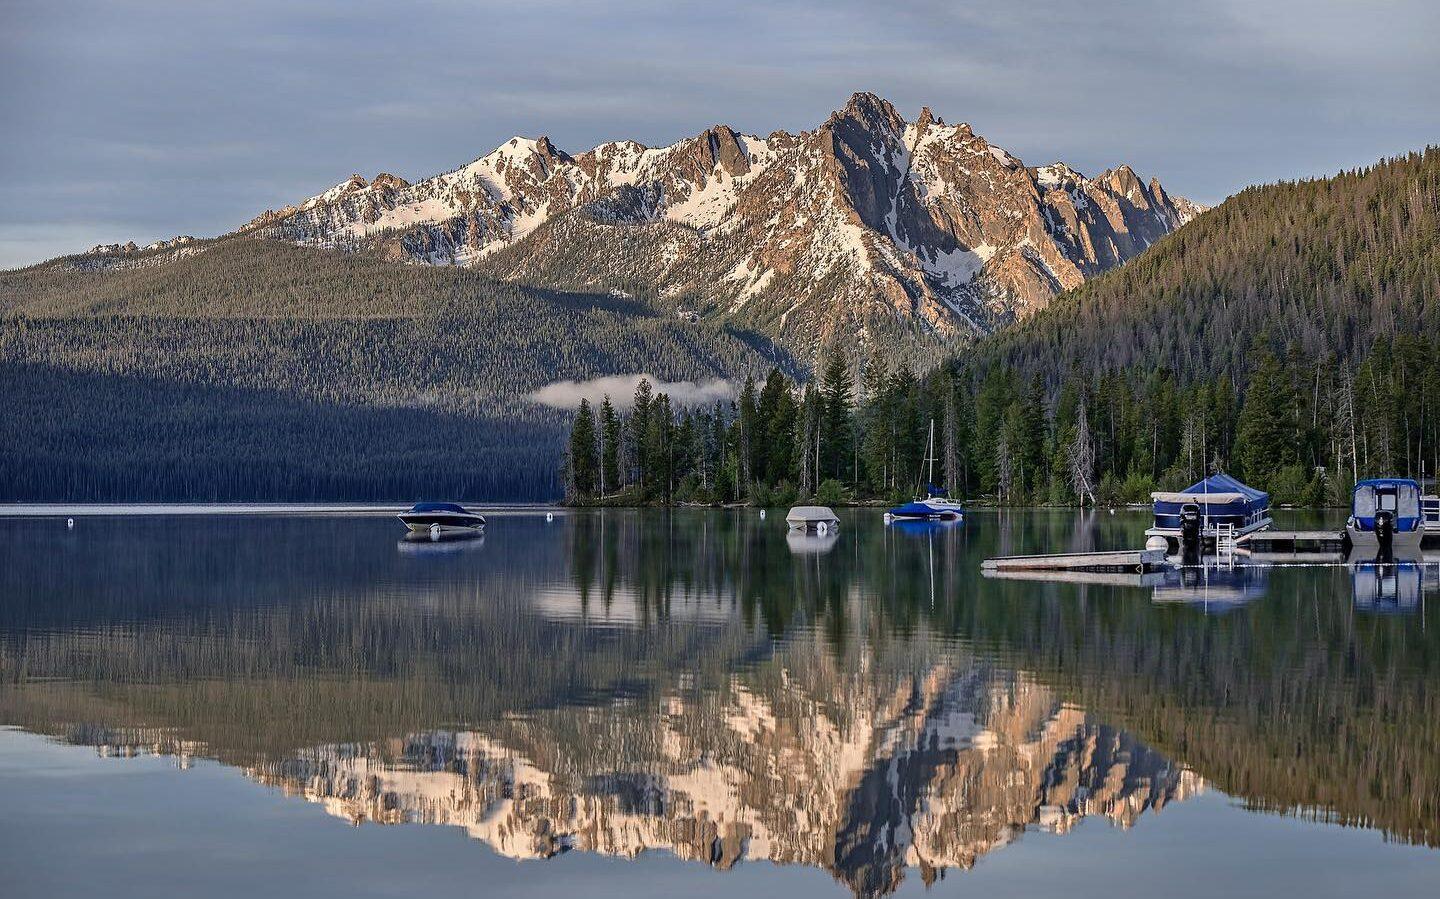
(1217, 504)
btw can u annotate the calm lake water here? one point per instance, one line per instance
(695, 703)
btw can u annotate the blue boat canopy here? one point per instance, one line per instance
(1220, 482)
(1399, 496)
(1221, 500)
(437, 507)
(1389, 482)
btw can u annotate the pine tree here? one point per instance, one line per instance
(836, 437)
(639, 429)
(582, 452)
(1264, 441)
(609, 447)
(748, 442)
(777, 418)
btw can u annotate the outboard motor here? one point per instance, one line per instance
(1190, 545)
(1385, 534)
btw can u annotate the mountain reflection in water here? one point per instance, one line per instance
(700, 683)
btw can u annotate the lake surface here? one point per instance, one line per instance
(696, 703)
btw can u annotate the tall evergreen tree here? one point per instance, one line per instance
(609, 447)
(836, 437)
(583, 468)
(1264, 439)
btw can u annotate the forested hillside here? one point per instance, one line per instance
(1312, 307)
(1324, 269)
(256, 370)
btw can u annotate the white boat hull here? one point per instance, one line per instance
(1401, 541)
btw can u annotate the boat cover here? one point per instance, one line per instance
(1365, 501)
(1223, 499)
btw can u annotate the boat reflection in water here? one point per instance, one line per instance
(1212, 588)
(1393, 587)
(805, 543)
(621, 683)
(420, 543)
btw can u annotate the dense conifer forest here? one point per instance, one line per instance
(1291, 336)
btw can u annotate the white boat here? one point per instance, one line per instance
(936, 504)
(439, 519)
(820, 519)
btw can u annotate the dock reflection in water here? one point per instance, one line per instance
(696, 684)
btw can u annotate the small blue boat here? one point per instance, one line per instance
(936, 504)
(1385, 515)
(441, 519)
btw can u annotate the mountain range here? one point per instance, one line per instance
(391, 339)
(869, 229)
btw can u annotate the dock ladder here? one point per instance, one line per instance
(1225, 541)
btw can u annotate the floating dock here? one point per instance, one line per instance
(1119, 561)
(1073, 576)
(1270, 540)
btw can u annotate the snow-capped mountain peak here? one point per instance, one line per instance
(866, 225)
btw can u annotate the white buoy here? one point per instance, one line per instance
(1112, 511)
(822, 528)
(889, 518)
(1157, 542)
(69, 522)
(434, 532)
(549, 516)
(762, 514)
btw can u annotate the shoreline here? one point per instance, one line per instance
(104, 510)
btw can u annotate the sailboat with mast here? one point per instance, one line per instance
(935, 504)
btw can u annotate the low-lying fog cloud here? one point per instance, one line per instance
(621, 390)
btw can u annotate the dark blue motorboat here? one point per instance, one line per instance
(441, 518)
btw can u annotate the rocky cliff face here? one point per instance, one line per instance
(868, 225)
(923, 772)
(866, 228)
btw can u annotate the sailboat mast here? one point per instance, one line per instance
(930, 451)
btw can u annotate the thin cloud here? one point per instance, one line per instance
(621, 390)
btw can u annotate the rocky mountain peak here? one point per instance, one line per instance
(866, 228)
(870, 111)
(387, 181)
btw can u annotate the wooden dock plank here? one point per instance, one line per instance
(1091, 561)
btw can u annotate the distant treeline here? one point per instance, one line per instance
(1302, 428)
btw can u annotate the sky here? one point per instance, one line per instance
(142, 119)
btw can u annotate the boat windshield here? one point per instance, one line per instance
(437, 507)
(1365, 502)
(1408, 501)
